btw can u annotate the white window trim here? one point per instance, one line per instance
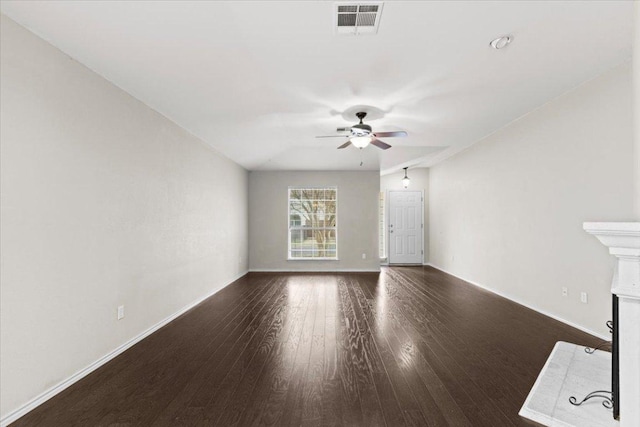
(289, 258)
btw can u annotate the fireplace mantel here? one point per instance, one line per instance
(623, 241)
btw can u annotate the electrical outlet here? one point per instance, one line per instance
(364, 256)
(584, 298)
(565, 291)
(120, 312)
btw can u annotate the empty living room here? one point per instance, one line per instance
(320, 213)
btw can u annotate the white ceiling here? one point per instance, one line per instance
(259, 80)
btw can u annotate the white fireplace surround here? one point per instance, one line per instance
(623, 241)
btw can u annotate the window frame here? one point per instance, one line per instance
(290, 227)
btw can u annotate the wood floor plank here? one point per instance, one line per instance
(292, 410)
(409, 346)
(473, 401)
(331, 386)
(482, 373)
(277, 382)
(379, 316)
(312, 390)
(246, 331)
(463, 320)
(405, 397)
(271, 386)
(403, 351)
(352, 410)
(372, 412)
(386, 394)
(186, 407)
(241, 387)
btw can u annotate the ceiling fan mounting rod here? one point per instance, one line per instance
(361, 115)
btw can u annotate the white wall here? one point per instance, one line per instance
(104, 202)
(507, 213)
(357, 220)
(636, 104)
(419, 182)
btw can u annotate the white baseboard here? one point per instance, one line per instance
(333, 270)
(48, 394)
(553, 316)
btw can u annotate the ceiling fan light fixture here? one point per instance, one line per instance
(361, 141)
(405, 180)
(361, 135)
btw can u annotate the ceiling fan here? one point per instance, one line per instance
(360, 135)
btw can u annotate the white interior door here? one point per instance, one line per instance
(405, 227)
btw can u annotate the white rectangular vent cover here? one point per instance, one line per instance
(357, 18)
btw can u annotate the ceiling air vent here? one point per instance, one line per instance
(358, 18)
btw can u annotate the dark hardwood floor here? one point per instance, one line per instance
(408, 346)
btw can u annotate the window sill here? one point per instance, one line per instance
(313, 259)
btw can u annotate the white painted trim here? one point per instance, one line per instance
(335, 270)
(510, 298)
(48, 394)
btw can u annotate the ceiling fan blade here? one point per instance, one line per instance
(345, 145)
(334, 136)
(380, 144)
(343, 129)
(390, 134)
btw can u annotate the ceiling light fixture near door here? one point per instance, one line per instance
(405, 180)
(501, 42)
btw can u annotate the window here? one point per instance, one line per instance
(312, 223)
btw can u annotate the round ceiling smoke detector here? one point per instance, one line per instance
(501, 42)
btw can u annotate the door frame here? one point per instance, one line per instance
(387, 209)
